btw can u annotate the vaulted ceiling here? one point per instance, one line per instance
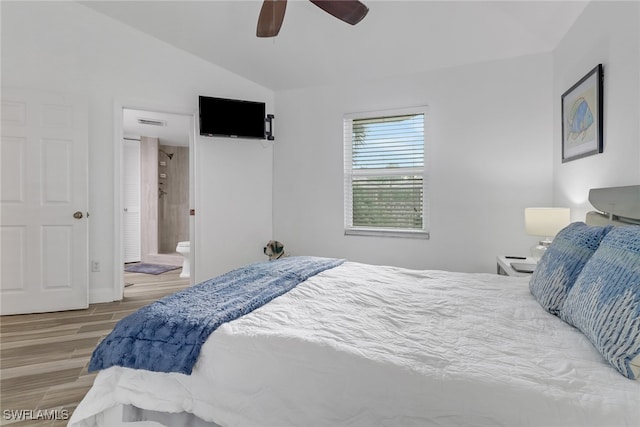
(313, 48)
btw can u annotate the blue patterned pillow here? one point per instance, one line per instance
(562, 262)
(604, 303)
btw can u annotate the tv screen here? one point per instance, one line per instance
(232, 118)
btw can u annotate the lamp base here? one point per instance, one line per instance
(539, 250)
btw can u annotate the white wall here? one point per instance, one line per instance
(66, 47)
(606, 33)
(495, 139)
(489, 157)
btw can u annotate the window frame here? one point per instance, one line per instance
(350, 174)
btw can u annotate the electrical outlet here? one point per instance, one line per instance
(95, 266)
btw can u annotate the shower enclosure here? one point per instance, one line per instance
(164, 207)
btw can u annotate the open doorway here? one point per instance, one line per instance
(156, 196)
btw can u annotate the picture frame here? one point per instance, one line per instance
(582, 117)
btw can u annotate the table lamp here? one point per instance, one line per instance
(545, 222)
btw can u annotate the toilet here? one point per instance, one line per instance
(184, 249)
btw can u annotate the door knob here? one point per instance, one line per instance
(77, 215)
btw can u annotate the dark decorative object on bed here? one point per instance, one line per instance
(582, 117)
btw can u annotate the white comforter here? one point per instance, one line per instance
(362, 345)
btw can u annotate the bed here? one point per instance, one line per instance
(362, 345)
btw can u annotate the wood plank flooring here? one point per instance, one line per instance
(44, 357)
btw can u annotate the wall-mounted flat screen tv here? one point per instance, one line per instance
(232, 118)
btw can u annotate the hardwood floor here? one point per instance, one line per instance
(44, 357)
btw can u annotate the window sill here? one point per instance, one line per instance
(411, 234)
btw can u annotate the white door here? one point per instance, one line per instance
(131, 199)
(43, 225)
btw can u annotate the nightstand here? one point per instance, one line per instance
(503, 266)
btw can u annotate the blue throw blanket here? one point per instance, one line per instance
(167, 335)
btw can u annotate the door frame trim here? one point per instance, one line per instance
(118, 238)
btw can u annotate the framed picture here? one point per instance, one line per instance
(582, 117)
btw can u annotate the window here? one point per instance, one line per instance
(384, 173)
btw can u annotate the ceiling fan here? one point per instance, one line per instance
(272, 13)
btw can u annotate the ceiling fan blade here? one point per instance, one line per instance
(349, 11)
(271, 17)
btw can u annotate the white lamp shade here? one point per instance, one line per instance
(546, 221)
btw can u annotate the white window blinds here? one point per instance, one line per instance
(385, 177)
